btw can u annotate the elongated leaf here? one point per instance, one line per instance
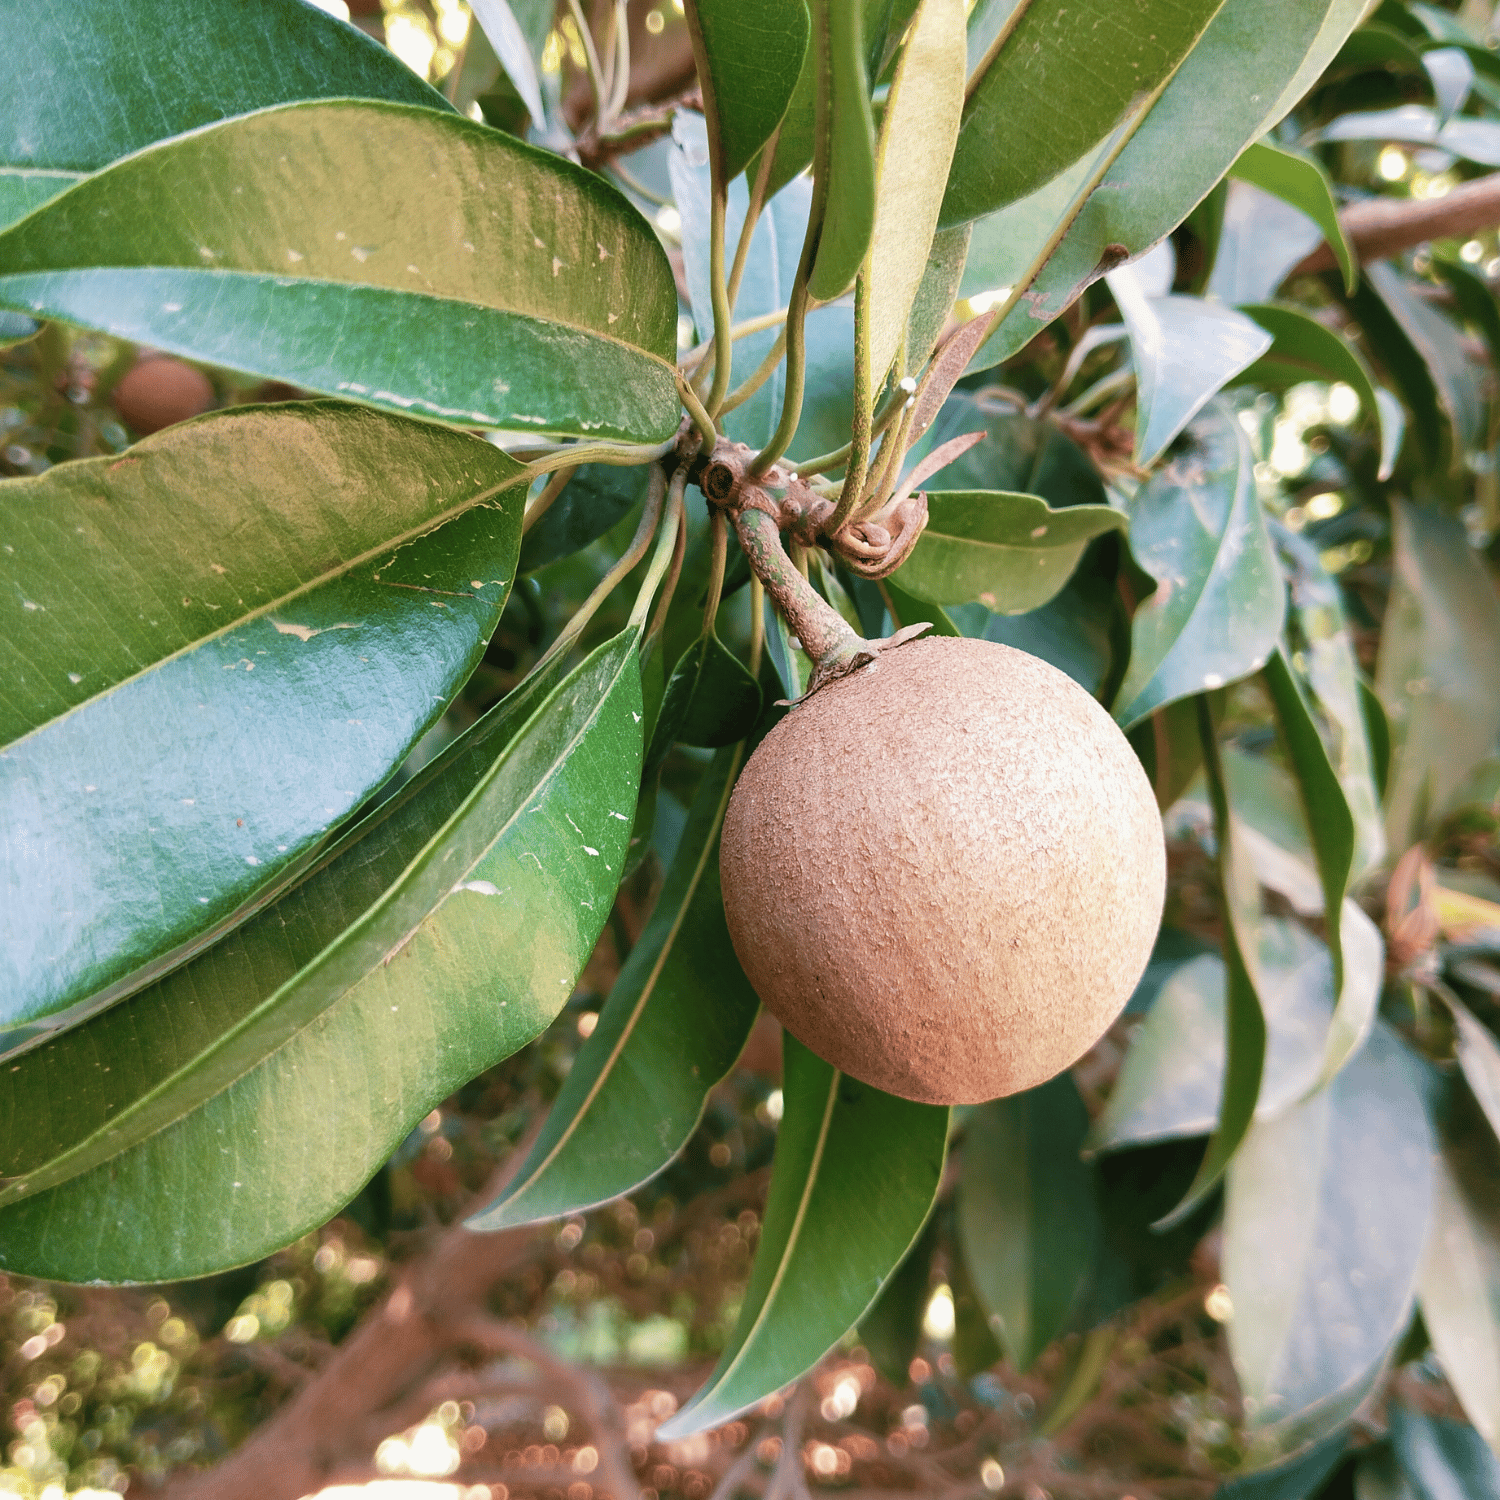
(1459, 1288)
(1475, 300)
(1325, 1215)
(1185, 350)
(1198, 529)
(1299, 1478)
(936, 294)
(1479, 1058)
(1418, 125)
(1331, 825)
(855, 1176)
(749, 56)
(1244, 1015)
(64, 1110)
(1054, 83)
(23, 189)
(513, 53)
(1027, 1217)
(847, 125)
(503, 905)
(1172, 1079)
(1253, 62)
(1438, 673)
(1010, 553)
(1305, 350)
(672, 1027)
(145, 79)
(328, 245)
(1443, 1458)
(1261, 239)
(1304, 182)
(711, 700)
(597, 497)
(212, 658)
(1436, 342)
(915, 150)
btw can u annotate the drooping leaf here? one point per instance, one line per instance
(1405, 370)
(1261, 239)
(936, 294)
(219, 645)
(1244, 1018)
(145, 80)
(892, 1329)
(711, 699)
(1436, 342)
(1418, 125)
(1011, 553)
(513, 52)
(1185, 350)
(1438, 673)
(1054, 83)
(1452, 75)
(1197, 527)
(1459, 1289)
(1304, 349)
(1027, 1217)
(847, 126)
(1475, 300)
(912, 158)
(503, 905)
(1304, 182)
(1242, 76)
(672, 1027)
(597, 497)
(748, 56)
(328, 245)
(1442, 1458)
(1325, 1215)
(1479, 1058)
(855, 1175)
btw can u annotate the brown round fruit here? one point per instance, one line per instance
(945, 872)
(159, 391)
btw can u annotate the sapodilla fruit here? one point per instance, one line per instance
(944, 873)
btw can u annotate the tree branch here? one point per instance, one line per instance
(1386, 226)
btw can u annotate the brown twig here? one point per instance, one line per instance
(1386, 226)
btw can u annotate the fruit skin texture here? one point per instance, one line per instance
(159, 391)
(945, 873)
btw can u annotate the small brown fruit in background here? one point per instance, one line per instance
(945, 872)
(159, 391)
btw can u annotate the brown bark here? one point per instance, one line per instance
(1386, 226)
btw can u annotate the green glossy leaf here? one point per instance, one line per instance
(892, 1329)
(144, 78)
(23, 189)
(1197, 527)
(1185, 140)
(1054, 83)
(1324, 661)
(64, 1109)
(1442, 1458)
(513, 52)
(597, 498)
(1027, 1218)
(1299, 1478)
(672, 1027)
(1436, 342)
(711, 699)
(1304, 182)
(1438, 673)
(844, 120)
(1185, 350)
(1303, 349)
(854, 1179)
(792, 667)
(1331, 825)
(912, 158)
(1010, 553)
(749, 53)
(1261, 239)
(1404, 368)
(1168, 748)
(212, 658)
(1326, 1211)
(328, 245)
(1459, 1289)
(488, 928)
(907, 609)
(1244, 1020)
(1475, 300)
(1172, 1078)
